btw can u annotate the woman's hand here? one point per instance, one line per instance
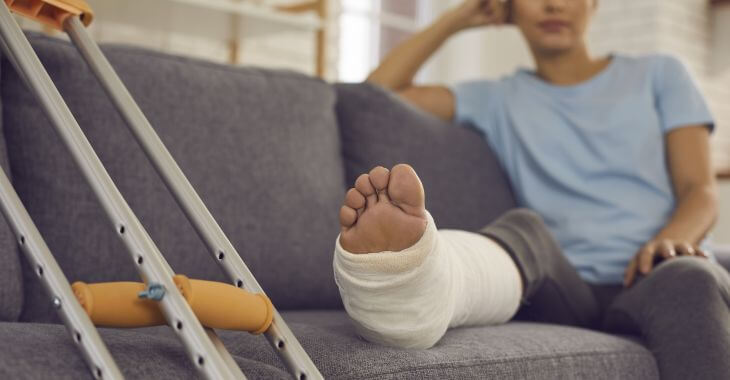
(655, 251)
(474, 13)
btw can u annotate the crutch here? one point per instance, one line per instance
(278, 334)
(56, 285)
(203, 347)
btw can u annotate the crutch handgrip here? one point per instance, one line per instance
(225, 306)
(217, 305)
(52, 12)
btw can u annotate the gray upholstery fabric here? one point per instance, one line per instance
(46, 351)
(261, 147)
(516, 350)
(512, 351)
(11, 284)
(465, 187)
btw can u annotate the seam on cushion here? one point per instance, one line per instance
(477, 364)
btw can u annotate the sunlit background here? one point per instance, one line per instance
(342, 40)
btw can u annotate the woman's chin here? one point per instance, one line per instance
(554, 47)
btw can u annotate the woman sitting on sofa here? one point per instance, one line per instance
(611, 154)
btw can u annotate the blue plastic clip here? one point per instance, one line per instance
(154, 292)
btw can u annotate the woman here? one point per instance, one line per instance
(612, 153)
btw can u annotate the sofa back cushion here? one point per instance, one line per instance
(260, 147)
(465, 186)
(11, 284)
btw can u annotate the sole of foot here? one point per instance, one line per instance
(385, 211)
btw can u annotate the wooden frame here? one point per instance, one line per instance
(320, 8)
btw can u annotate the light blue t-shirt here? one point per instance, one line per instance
(590, 158)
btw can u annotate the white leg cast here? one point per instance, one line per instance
(409, 298)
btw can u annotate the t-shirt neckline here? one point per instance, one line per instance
(572, 89)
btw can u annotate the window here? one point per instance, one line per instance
(369, 29)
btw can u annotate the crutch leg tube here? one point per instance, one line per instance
(217, 305)
(280, 337)
(152, 267)
(56, 285)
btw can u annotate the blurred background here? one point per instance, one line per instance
(342, 40)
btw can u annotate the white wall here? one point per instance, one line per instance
(721, 233)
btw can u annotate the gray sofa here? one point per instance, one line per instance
(272, 154)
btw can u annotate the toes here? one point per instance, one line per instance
(379, 177)
(363, 185)
(406, 190)
(354, 199)
(348, 216)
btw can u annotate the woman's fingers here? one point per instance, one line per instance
(488, 12)
(664, 249)
(702, 253)
(684, 249)
(667, 249)
(646, 258)
(630, 273)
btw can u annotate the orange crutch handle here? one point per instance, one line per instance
(117, 304)
(217, 305)
(52, 12)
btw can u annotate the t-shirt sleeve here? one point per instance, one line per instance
(679, 101)
(475, 103)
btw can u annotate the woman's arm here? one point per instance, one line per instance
(688, 154)
(397, 70)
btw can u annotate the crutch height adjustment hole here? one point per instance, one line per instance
(201, 361)
(239, 283)
(97, 372)
(77, 336)
(121, 229)
(178, 325)
(221, 255)
(40, 270)
(280, 344)
(22, 240)
(302, 376)
(140, 260)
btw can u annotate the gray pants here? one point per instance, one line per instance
(681, 309)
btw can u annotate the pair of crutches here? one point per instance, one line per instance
(183, 304)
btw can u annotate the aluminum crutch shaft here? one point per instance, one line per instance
(279, 335)
(97, 357)
(149, 261)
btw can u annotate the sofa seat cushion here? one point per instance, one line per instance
(516, 350)
(261, 148)
(46, 351)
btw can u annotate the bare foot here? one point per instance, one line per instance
(385, 211)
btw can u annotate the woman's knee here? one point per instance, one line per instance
(525, 216)
(675, 290)
(688, 275)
